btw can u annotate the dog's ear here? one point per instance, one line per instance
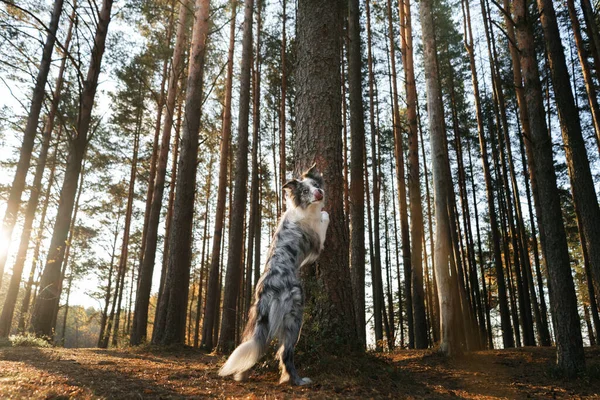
(312, 171)
(291, 185)
(313, 174)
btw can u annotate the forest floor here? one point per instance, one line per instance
(57, 373)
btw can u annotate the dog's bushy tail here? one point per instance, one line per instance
(247, 354)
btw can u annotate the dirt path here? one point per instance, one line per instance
(92, 373)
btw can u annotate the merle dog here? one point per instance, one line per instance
(279, 301)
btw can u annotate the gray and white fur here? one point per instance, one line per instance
(278, 298)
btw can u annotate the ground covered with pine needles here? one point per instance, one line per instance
(52, 373)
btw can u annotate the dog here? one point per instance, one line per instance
(278, 298)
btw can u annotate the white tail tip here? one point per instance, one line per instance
(242, 358)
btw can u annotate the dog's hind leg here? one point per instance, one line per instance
(289, 333)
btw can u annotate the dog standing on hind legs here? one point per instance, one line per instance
(278, 298)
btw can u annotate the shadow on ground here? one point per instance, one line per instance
(188, 373)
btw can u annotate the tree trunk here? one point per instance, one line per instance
(238, 211)
(41, 320)
(376, 248)
(255, 186)
(282, 118)
(441, 176)
(168, 218)
(357, 188)
(319, 139)
(104, 316)
(128, 213)
(204, 240)
(213, 290)
(32, 204)
(37, 99)
(140, 318)
(414, 180)
(399, 154)
(435, 320)
(592, 31)
(507, 337)
(582, 183)
(586, 70)
(562, 292)
(180, 255)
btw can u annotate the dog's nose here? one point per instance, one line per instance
(319, 194)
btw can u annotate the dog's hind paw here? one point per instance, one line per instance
(241, 376)
(305, 381)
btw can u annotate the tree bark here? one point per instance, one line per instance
(507, 337)
(414, 181)
(585, 69)
(441, 176)
(582, 183)
(331, 324)
(562, 292)
(140, 318)
(128, 213)
(282, 118)
(592, 30)
(357, 188)
(238, 211)
(180, 255)
(399, 155)
(377, 282)
(212, 294)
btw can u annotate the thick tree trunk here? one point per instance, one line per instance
(213, 289)
(441, 176)
(562, 292)
(319, 139)
(41, 320)
(18, 185)
(180, 255)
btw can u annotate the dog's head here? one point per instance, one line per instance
(307, 190)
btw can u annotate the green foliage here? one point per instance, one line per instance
(26, 340)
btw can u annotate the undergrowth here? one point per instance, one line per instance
(26, 340)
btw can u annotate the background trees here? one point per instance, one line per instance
(472, 267)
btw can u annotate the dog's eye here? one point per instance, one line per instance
(305, 191)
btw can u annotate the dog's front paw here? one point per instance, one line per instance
(325, 216)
